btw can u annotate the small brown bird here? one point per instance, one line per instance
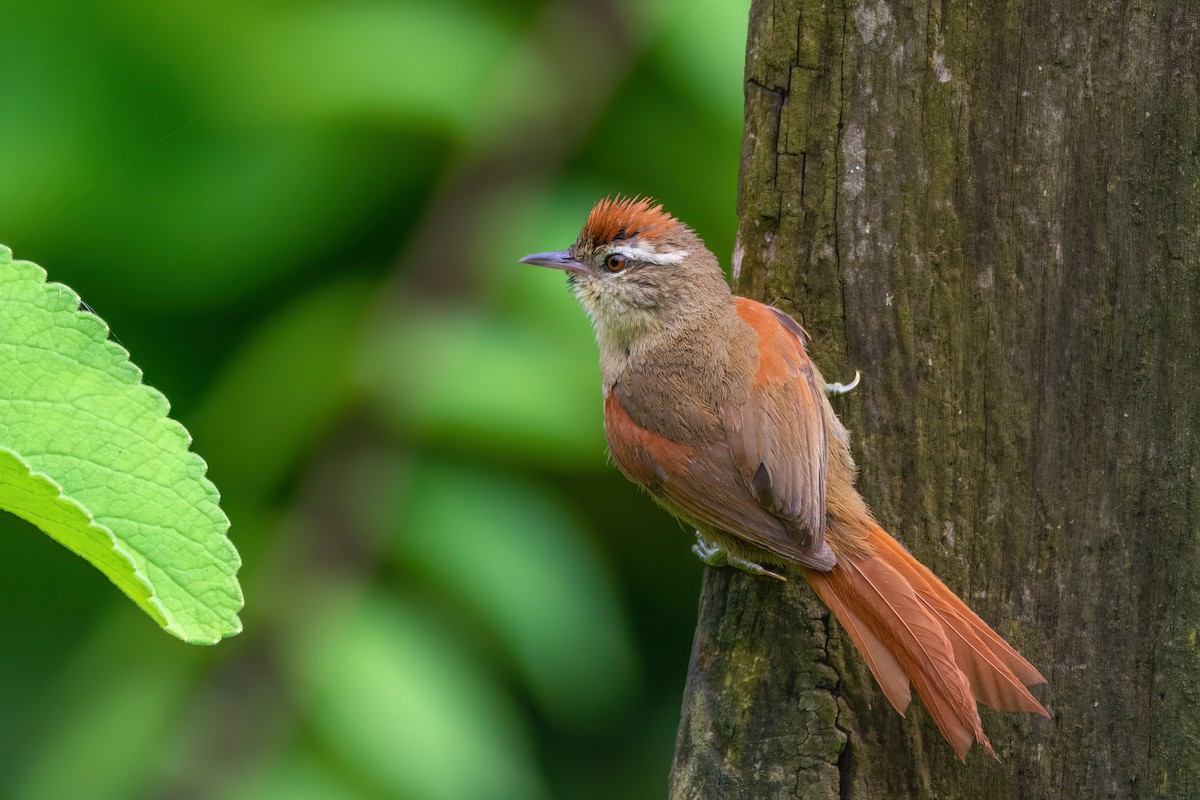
(712, 404)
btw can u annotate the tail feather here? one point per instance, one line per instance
(884, 666)
(1002, 667)
(909, 626)
(997, 673)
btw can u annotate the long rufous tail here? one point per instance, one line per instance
(909, 627)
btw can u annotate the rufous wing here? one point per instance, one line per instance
(701, 485)
(777, 436)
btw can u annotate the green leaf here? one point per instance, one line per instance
(297, 773)
(88, 454)
(485, 382)
(373, 48)
(41, 501)
(282, 390)
(701, 45)
(523, 563)
(139, 710)
(397, 696)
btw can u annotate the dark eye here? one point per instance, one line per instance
(615, 262)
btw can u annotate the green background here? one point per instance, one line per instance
(303, 220)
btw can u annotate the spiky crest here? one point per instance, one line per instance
(617, 218)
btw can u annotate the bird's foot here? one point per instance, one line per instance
(714, 555)
(843, 388)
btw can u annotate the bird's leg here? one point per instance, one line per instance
(843, 388)
(714, 555)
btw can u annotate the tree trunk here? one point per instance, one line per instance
(993, 211)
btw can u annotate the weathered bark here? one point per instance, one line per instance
(993, 210)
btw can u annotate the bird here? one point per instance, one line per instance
(713, 406)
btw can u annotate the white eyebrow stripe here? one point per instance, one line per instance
(650, 256)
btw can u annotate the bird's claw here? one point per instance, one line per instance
(708, 552)
(714, 555)
(843, 388)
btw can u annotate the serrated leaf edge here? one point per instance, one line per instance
(162, 616)
(192, 459)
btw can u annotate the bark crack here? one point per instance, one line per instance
(844, 761)
(837, 178)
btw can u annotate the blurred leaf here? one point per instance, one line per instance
(488, 384)
(702, 45)
(143, 133)
(449, 68)
(58, 88)
(90, 456)
(391, 694)
(524, 565)
(220, 215)
(282, 390)
(104, 722)
(523, 86)
(297, 774)
(319, 62)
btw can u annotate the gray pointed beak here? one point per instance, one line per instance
(559, 259)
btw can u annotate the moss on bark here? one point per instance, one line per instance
(994, 212)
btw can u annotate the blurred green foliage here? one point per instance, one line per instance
(303, 219)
